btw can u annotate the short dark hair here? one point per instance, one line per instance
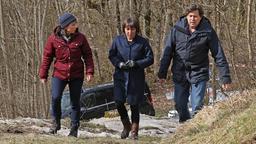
(194, 7)
(132, 22)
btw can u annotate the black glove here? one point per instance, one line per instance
(131, 64)
(123, 66)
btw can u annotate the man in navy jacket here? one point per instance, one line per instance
(188, 45)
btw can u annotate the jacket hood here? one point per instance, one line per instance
(204, 25)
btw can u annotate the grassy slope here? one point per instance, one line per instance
(232, 121)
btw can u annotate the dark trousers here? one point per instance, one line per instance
(181, 95)
(75, 87)
(135, 115)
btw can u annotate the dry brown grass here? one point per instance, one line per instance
(230, 121)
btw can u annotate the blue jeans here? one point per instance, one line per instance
(75, 87)
(181, 98)
(197, 96)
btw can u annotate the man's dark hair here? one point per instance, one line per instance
(194, 7)
(132, 22)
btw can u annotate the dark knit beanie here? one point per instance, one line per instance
(66, 19)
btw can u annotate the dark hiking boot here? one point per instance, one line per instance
(55, 127)
(127, 128)
(73, 131)
(134, 131)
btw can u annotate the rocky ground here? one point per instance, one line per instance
(102, 127)
(159, 126)
(162, 125)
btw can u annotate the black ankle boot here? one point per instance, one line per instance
(55, 127)
(127, 128)
(73, 131)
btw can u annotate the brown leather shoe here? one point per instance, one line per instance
(127, 128)
(134, 131)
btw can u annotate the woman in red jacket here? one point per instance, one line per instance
(71, 52)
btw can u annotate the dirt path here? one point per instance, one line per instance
(102, 127)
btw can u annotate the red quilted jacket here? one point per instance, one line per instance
(70, 57)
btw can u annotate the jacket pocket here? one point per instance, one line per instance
(75, 50)
(60, 51)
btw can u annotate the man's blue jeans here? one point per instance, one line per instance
(75, 87)
(181, 98)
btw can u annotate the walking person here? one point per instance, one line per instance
(70, 51)
(130, 54)
(187, 46)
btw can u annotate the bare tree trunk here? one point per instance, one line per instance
(157, 52)
(41, 99)
(124, 5)
(88, 20)
(248, 31)
(20, 20)
(135, 8)
(34, 44)
(58, 7)
(131, 7)
(44, 94)
(168, 16)
(11, 97)
(147, 19)
(118, 19)
(213, 68)
(238, 16)
(231, 45)
(95, 52)
(107, 18)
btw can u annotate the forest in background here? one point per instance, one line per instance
(26, 24)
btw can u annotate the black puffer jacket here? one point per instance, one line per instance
(189, 52)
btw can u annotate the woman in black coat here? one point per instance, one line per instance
(130, 54)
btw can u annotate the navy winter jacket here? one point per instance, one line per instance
(130, 83)
(189, 52)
